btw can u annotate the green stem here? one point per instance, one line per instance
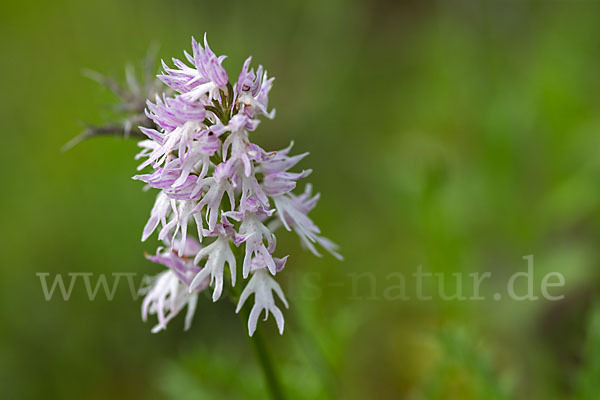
(259, 346)
(271, 379)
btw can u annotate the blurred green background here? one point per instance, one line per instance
(456, 135)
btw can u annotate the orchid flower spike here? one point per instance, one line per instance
(217, 190)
